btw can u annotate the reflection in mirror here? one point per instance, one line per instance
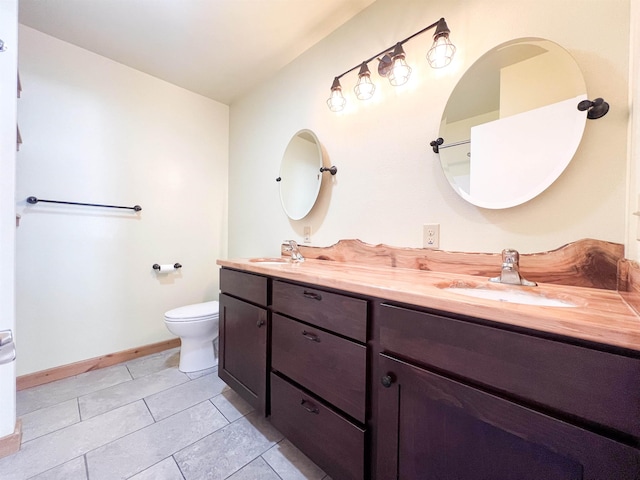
(300, 175)
(511, 125)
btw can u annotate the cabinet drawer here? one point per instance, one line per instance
(330, 440)
(596, 386)
(338, 313)
(330, 366)
(247, 286)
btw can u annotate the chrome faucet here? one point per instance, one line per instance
(510, 272)
(292, 246)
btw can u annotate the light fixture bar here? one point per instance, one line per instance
(393, 66)
(390, 49)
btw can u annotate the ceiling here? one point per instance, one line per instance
(218, 48)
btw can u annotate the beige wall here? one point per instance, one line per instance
(97, 131)
(389, 182)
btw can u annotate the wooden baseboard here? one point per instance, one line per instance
(72, 369)
(11, 443)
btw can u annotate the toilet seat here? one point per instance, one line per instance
(195, 312)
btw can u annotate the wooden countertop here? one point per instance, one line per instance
(600, 315)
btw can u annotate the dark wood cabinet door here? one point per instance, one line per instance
(243, 350)
(433, 428)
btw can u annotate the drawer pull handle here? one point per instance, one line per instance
(387, 380)
(311, 408)
(310, 336)
(312, 295)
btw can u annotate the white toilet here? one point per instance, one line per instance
(197, 327)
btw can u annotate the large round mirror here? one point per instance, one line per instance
(300, 175)
(511, 125)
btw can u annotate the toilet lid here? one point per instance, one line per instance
(195, 311)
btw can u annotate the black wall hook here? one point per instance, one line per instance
(595, 109)
(333, 170)
(436, 144)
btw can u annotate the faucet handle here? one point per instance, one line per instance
(510, 256)
(289, 245)
(292, 246)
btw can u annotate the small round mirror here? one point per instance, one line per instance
(511, 125)
(300, 175)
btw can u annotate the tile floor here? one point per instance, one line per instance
(146, 420)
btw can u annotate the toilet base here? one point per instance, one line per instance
(197, 355)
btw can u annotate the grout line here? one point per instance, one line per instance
(229, 422)
(178, 465)
(268, 464)
(155, 420)
(86, 465)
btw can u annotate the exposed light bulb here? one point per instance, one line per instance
(400, 72)
(441, 52)
(364, 88)
(336, 101)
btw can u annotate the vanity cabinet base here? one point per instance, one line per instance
(330, 440)
(435, 428)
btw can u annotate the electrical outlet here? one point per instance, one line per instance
(307, 234)
(431, 235)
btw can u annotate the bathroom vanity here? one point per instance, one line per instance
(380, 372)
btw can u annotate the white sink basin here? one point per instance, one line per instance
(270, 261)
(525, 297)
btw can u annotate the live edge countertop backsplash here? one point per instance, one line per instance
(591, 274)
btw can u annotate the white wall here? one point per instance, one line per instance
(389, 182)
(8, 80)
(97, 131)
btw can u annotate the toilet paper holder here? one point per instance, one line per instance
(160, 268)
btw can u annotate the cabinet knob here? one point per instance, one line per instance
(387, 380)
(260, 322)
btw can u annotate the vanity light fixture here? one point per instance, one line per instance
(392, 64)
